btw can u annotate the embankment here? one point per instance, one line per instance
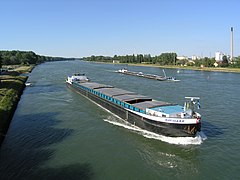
(214, 69)
(11, 89)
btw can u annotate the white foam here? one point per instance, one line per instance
(198, 139)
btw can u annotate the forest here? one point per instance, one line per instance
(26, 58)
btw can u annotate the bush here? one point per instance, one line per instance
(8, 100)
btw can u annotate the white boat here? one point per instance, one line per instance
(28, 84)
(122, 70)
(170, 78)
(77, 77)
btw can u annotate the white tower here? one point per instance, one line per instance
(231, 58)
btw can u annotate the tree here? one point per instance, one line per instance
(139, 58)
(225, 61)
(166, 59)
(92, 58)
(147, 58)
(0, 67)
(237, 62)
(0, 61)
(182, 62)
(207, 62)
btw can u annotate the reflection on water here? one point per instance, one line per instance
(25, 149)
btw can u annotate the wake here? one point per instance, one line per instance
(116, 120)
(197, 140)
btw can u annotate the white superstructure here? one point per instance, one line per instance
(77, 78)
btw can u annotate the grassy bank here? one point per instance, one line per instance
(19, 69)
(11, 88)
(215, 69)
(24, 69)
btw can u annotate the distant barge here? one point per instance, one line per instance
(149, 76)
(156, 116)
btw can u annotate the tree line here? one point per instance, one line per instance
(164, 59)
(210, 62)
(25, 58)
(29, 57)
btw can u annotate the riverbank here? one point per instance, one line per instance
(11, 89)
(214, 69)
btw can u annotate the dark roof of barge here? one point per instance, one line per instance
(125, 96)
(132, 97)
(107, 89)
(151, 104)
(113, 92)
(93, 85)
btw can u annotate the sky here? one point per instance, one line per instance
(78, 28)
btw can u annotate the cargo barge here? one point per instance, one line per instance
(149, 76)
(160, 117)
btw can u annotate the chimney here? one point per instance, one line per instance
(231, 58)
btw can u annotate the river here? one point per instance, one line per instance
(58, 134)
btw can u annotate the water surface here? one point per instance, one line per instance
(58, 134)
